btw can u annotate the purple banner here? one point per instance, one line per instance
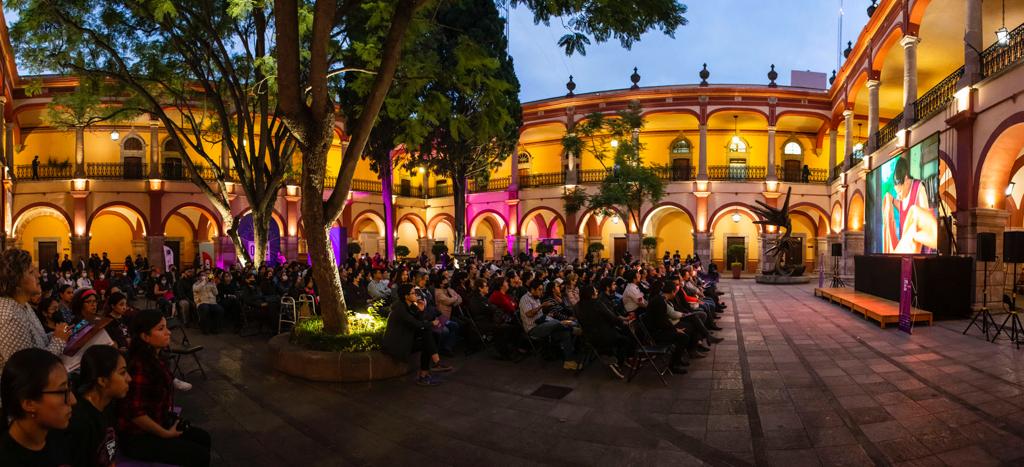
(906, 294)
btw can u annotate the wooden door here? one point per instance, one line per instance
(619, 248)
(47, 250)
(680, 169)
(795, 255)
(133, 168)
(791, 171)
(735, 251)
(405, 189)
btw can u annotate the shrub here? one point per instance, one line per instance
(649, 243)
(401, 251)
(596, 248)
(438, 249)
(543, 248)
(354, 248)
(366, 333)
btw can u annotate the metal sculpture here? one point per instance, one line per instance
(780, 251)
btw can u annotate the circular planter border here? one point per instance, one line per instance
(779, 280)
(336, 367)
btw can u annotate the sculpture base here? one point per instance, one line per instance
(778, 280)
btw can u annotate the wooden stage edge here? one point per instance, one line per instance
(877, 308)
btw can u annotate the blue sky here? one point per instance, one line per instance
(739, 40)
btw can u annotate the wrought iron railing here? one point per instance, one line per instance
(593, 175)
(736, 172)
(542, 179)
(439, 191)
(933, 101)
(494, 184)
(116, 170)
(46, 172)
(797, 175)
(997, 57)
(856, 157)
(888, 132)
(368, 186)
(408, 190)
(330, 182)
(838, 169)
(676, 174)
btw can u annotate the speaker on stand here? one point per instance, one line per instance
(986, 254)
(1013, 253)
(837, 253)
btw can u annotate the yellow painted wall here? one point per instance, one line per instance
(442, 231)
(547, 157)
(674, 232)
(724, 227)
(408, 237)
(178, 228)
(483, 229)
(59, 145)
(46, 227)
(609, 230)
(111, 234)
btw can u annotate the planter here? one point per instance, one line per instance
(737, 269)
(336, 367)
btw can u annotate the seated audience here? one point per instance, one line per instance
(408, 331)
(104, 378)
(36, 405)
(19, 326)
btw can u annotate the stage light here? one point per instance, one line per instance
(114, 135)
(1009, 188)
(736, 217)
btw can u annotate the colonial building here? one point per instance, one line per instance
(919, 68)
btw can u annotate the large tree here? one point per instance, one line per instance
(204, 70)
(310, 34)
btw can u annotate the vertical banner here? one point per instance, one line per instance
(168, 257)
(906, 294)
(821, 271)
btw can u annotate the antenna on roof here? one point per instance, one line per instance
(839, 38)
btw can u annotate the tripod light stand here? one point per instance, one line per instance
(983, 313)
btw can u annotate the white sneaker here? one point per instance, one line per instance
(182, 386)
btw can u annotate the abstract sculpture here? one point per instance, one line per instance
(780, 251)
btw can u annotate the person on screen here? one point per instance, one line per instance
(908, 221)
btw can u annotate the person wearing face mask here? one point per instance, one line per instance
(83, 281)
(91, 440)
(65, 279)
(101, 285)
(162, 293)
(36, 399)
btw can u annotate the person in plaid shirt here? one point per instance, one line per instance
(145, 424)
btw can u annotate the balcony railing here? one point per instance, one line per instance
(797, 175)
(838, 169)
(676, 174)
(888, 132)
(408, 190)
(46, 172)
(736, 172)
(439, 191)
(368, 186)
(996, 58)
(116, 170)
(933, 101)
(494, 184)
(542, 179)
(593, 175)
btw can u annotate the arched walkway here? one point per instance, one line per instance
(44, 230)
(735, 238)
(672, 225)
(118, 231)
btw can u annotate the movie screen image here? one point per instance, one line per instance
(902, 202)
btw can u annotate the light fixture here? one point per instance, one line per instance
(1009, 188)
(615, 219)
(736, 141)
(736, 217)
(114, 135)
(1002, 34)
(79, 184)
(963, 98)
(421, 170)
(615, 143)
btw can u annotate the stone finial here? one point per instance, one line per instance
(772, 76)
(704, 74)
(872, 8)
(634, 78)
(832, 79)
(571, 86)
(849, 49)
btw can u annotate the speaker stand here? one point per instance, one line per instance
(837, 281)
(1016, 334)
(983, 313)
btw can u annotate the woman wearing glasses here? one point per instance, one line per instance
(88, 329)
(19, 327)
(37, 400)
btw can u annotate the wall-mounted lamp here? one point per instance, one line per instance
(963, 99)
(1009, 188)
(155, 184)
(79, 184)
(736, 217)
(292, 190)
(114, 135)
(772, 185)
(901, 138)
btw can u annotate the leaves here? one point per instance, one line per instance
(574, 43)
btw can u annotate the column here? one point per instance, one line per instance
(909, 44)
(425, 244)
(79, 247)
(9, 144)
(853, 245)
(155, 251)
(154, 149)
(873, 85)
(970, 223)
(79, 152)
(225, 158)
(3, 133)
(573, 247)
(513, 183)
(500, 246)
(633, 245)
(290, 247)
(138, 247)
(848, 146)
(702, 246)
(771, 177)
(702, 153)
(833, 135)
(226, 252)
(972, 43)
(572, 174)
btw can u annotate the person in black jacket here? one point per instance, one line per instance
(603, 328)
(659, 324)
(407, 331)
(104, 378)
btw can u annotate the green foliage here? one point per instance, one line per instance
(595, 248)
(735, 251)
(438, 249)
(543, 248)
(575, 198)
(649, 243)
(401, 251)
(366, 333)
(477, 250)
(354, 248)
(84, 106)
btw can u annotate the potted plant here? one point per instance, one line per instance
(543, 248)
(650, 244)
(595, 249)
(735, 254)
(354, 249)
(477, 250)
(438, 249)
(401, 251)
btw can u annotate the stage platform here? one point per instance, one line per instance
(877, 308)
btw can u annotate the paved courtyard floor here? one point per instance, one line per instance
(797, 382)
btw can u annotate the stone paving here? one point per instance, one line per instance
(797, 382)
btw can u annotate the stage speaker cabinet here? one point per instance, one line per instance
(1013, 246)
(987, 246)
(837, 249)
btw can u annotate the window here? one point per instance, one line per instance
(132, 154)
(681, 147)
(132, 144)
(737, 144)
(792, 148)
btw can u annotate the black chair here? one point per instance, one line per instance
(648, 352)
(183, 348)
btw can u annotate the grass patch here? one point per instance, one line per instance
(366, 333)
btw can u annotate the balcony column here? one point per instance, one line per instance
(972, 43)
(225, 159)
(513, 180)
(79, 152)
(909, 44)
(848, 140)
(8, 144)
(3, 134)
(771, 176)
(154, 150)
(574, 247)
(873, 85)
(833, 135)
(702, 154)
(500, 246)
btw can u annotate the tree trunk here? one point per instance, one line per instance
(260, 237)
(459, 194)
(386, 180)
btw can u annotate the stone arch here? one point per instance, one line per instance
(367, 216)
(836, 220)
(993, 169)
(666, 215)
(438, 219)
(36, 210)
(590, 216)
(203, 210)
(274, 216)
(855, 212)
(118, 204)
(416, 221)
(744, 208)
(497, 222)
(648, 218)
(531, 214)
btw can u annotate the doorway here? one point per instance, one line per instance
(735, 251)
(680, 169)
(618, 248)
(175, 246)
(791, 171)
(46, 251)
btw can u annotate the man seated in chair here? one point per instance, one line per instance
(602, 327)
(211, 314)
(538, 325)
(659, 321)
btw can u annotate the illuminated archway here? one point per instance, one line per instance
(43, 228)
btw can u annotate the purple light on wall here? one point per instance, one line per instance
(340, 248)
(245, 231)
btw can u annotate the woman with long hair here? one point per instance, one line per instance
(19, 327)
(37, 402)
(146, 425)
(104, 378)
(48, 312)
(117, 308)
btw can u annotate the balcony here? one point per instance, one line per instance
(593, 175)
(676, 174)
(116, 170)
(494, 184)
(542, 179)
(817, 176)
(997, 58)
(933, 101)
(46, 172)
(736, 173)
(888, 132)
(368, 186)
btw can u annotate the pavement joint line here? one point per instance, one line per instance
(749, 396)
(869, 447)
(1011, 426)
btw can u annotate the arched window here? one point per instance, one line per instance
(173, 168)
(681, 147)
(792, 148)
(133, 152)
(737, 144)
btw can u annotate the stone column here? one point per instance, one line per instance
(513, 183)
(972, 43)
(853, 245)
(969, 224)
(821, 247)
(633, 245)
(225, 252)
(848, 141)
(79, 247)
(138, 247)
(833, 135)
(425, 244)
(154, 149)
(702, 246)
(702, 153)
(290, 247)
(9, 144)
(79, 152)
(873, 85)
(500, 246)
(574, 247)
(771, 176)
(155, 251)
(909, 44)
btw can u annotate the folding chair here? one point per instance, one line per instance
(647, 352)
(182, 348)
(288, 313)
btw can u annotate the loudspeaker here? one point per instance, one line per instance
(1013, 246)
(987, 246)
(837, 249)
